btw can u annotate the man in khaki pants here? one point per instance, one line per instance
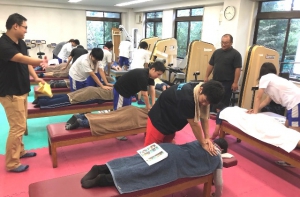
(15, 68)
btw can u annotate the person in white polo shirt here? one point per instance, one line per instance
(141, 57)
(85, 66)
(66, 50)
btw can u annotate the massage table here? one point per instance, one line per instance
(58, 136)
(292, 158)
(55, 91)
(58, 187)
(72, 109)
(47, 79)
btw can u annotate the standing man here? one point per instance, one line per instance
(125, 48)
(180, 105)
(135, 81)
(226, 64)
(15, 68)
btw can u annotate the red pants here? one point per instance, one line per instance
(154, 136)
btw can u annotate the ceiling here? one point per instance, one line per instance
(110, 3)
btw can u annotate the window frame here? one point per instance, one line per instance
(188, 19)
(104, 19)
(152, 20)
(289, 15)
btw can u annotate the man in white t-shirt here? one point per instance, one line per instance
(107, 57)
(85, 66)
(66, 49)
(141, 57)
(125, 48)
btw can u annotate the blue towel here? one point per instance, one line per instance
(132, 174)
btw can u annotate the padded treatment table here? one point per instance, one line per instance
(72, 109)
(115, 73)
(47, 79)
(57, 187)
(293, 157)
(58, 136)
(54, 91)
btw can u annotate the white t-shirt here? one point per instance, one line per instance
(125, 47)
(280, 90)
(107, 58)
(81, 68)
(141, 56)
(65, 51)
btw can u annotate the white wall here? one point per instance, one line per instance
(55, 23)
(168, 23)
(50, 22)
(211, 27)
(241, 27)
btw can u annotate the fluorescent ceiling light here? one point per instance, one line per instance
(74, 1)
(131, 2)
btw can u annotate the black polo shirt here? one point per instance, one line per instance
(14, 76)
(133, 81)
(225, 63)
(173, 107)
(77, 52)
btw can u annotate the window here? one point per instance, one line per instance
(188, 28)
(153, 24)
(278, 27)
(99, 25)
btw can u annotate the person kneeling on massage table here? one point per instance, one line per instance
(86, 95)
(130, 174)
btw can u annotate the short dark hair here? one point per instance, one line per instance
(267, 68)
(13, 19)
(158, 66)
(222, 143)
(220, 106)
(76, 42)
(230, 36)
(80, 46)
(213, 90)
(71, 40)
(143, 45)
(109, 44)
(97, 53)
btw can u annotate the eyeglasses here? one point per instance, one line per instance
(24, 26)
(225, 43)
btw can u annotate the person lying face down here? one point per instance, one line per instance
(112, 122)
(85, 95)
(130, 174)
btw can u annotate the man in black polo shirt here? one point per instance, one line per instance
(76, 53)
(137, 80)
(226, 64)
(15, 68)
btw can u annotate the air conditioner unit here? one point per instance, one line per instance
(138, 18)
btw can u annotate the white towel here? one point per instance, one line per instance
(262, 127)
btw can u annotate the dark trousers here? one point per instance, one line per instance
(227, 95)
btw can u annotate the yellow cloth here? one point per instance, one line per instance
(45, 89)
